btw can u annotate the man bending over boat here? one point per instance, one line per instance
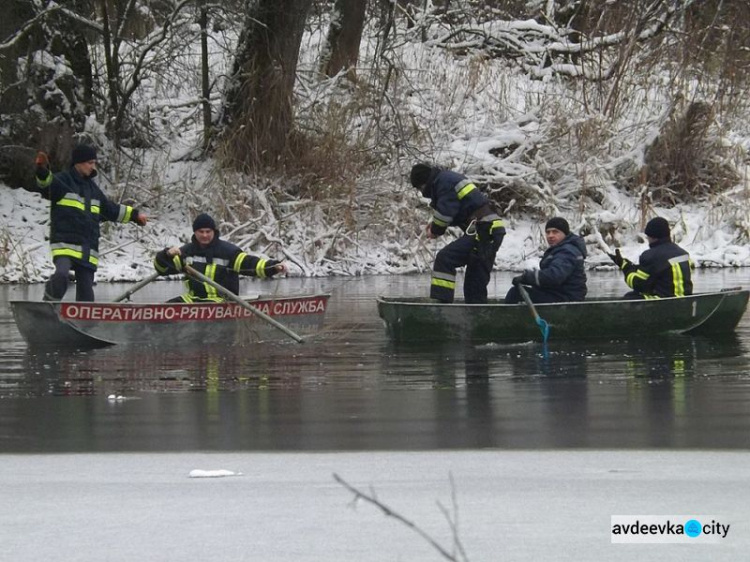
(561, 276)
(77, 207)
(217, 259)
(456, 201)
(664, 270)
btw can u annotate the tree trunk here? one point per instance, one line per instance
(344, 35)
(205, 79)
(41, 108)
(258, 114)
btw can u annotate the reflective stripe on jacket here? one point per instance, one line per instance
(664, 270)
(220, 261)
(77, 207)
(454, 199)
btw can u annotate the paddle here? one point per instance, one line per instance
(541, 322)
(137, 287)
(231, 296)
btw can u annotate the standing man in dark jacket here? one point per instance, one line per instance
(217, 259)
(456, 201)
(561, 276)
(77, 206)
(664, 270)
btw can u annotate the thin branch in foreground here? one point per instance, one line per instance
(359, 495)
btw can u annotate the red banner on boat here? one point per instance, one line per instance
(176, 312)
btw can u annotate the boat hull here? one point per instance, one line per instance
(421, 320)
(93, 324)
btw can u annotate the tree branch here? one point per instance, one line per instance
(387, 511)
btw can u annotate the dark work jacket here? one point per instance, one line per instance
(220, 261)
(454, 199)
(664, 270)
(561, 270)
(77, 206)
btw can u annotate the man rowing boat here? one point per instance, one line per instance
(218, 260)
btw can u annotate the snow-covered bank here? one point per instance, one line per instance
(544, 137)
(128, 251)
(288, 507)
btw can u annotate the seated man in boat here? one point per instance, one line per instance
(217, 259)
(77, 208)
(561, 276)
(664, 270)
(456, 201)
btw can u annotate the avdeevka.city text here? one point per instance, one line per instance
(669, 528)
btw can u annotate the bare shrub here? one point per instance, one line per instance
(685, 162)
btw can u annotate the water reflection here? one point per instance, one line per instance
(630, 393)
(197, 369)
(352, 389)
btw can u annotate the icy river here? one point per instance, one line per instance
(350, 389)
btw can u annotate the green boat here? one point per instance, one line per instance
(414, 320)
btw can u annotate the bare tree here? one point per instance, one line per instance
(205, 75)
(46, 85)
(115, 29)
(344, 35)
(257, 114)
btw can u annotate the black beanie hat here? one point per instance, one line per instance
(559, 223)
(82, 153)
(657, 228)
(420, 174)
(204, 220)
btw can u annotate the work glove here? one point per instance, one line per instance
(273, 267)
(42, 165)
(617, 258)
(526, 278)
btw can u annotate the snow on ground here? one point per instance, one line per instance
(475, 114)
(288, 507)
(127, 250)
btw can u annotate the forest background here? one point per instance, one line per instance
(295, 123)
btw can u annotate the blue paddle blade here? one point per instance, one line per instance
(544, 327)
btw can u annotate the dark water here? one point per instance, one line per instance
(351, 389)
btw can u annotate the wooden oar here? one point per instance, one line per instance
(231, 296)
(541, 322)
(137, 287)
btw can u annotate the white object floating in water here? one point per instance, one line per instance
(115, 398)
(197, 473)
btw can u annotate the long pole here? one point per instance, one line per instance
(137, 287)
(231, 296)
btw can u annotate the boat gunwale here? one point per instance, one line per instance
(406, 301)
(255, 298)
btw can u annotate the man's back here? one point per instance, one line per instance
(667, 269)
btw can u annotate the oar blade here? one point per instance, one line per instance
(544, 327)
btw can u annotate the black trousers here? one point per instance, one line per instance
(477, 252)
(57, 284)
